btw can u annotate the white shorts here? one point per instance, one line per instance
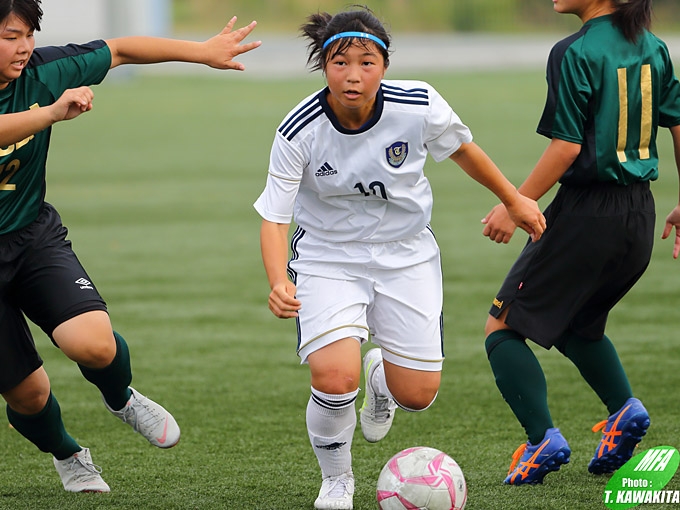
(390, 291)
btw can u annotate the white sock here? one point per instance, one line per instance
(331, 420)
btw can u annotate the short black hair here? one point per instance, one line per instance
(28, 10)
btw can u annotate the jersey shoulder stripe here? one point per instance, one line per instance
(554, 78)
(415, 96)
(301, 117)
(46, 54)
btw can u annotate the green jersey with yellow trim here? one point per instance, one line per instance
(50, 71)
(610, 95)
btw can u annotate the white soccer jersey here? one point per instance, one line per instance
(366, 184)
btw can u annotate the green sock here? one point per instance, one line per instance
(45, 429)
(113, 381)
(600, 366)
(521, 381)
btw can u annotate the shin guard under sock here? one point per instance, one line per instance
(114, 380)
(600, 366)
(45, 429)
(331, 420)
(521, 381)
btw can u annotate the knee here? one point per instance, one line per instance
(32, 403)
(495, 323)
(336, 382)
(87, 339)
(413, 390)
(417, 399)
(498, 337)
(95, 352)
(28, 399)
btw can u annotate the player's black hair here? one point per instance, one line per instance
(632, 17)
(322, 26)
(29, 11)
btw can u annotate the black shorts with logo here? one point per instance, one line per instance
(41, 277)
(597, 245)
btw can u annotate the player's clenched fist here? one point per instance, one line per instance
(282, 301)
(72, 103)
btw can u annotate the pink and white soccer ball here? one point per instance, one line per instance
(421, 478)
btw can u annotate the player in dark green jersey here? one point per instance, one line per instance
(610, 87)
(40, 276)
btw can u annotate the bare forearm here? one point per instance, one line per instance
(554, 162)
(217, 52)
(274, 245)
(523, 211)
(675, 133)
(17, 127)
(151, 50)
(478, 165)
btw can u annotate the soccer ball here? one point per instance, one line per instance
(421, 478)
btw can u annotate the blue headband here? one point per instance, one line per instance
(361, 35)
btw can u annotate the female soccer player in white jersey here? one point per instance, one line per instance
(347, 166)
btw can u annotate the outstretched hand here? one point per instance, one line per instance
(72, 103)
(222, 48)
(673, 221)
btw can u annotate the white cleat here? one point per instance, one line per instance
(376, 413)
(150, 419)
(79, 474)
(336, 493)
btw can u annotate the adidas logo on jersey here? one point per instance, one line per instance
(325, 169)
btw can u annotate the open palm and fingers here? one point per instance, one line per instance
(226, 45)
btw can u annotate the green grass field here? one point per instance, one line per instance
(156, 185)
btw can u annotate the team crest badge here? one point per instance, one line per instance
(396, 153)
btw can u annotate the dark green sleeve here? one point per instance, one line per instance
(65, 67)
(669, 103)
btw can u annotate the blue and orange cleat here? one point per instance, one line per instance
(621, 434)
(531, 463)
